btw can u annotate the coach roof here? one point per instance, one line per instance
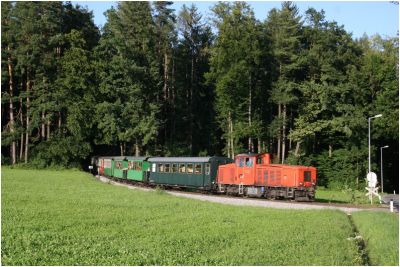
(180, 159)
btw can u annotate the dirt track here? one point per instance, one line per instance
(248, 201)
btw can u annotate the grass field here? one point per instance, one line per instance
(69, 218)
(381, 234)
(343, 196)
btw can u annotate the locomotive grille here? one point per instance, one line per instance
(232, 175)
(265, 177)
(307, 176)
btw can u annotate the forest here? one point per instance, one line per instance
(157, 82)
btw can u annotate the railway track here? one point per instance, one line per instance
(246, 201)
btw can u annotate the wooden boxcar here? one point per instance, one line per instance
(191, 172)
(137, 168)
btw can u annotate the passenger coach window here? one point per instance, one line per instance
(166, 167)
(190, 168)
(197, 169)
(207, 168)
(307, 176)
(174, 167)
(138, 166)
(160, 167)
(182, 168)
(118, 165)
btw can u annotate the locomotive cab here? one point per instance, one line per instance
(254, 175)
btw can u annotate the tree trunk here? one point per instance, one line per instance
(190, 105)
(121, 148)
(21, 117)
(296, 152)
(59, 122)
(330, 150)
(259, 149)
(48, 129)
(279, 134)
(166, 95)
(251, 149)
(165, 87)
(11, 107)
(284, 134)
(228, 139)
(28, 88)
(231, 136)
(43, 131)
(173, 94)
(137, 149)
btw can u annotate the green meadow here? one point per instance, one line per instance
(69, 218)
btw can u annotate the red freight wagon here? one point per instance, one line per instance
(253, 175)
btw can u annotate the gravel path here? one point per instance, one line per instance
(246, 201)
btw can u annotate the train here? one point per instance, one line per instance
(249, 174)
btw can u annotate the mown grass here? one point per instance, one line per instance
(380, 231)
(69, 218)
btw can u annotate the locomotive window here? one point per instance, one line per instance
(167, 167)
(240, 162)
(259, 160)
(207, 168)
(307, 176)
(175, 167)
(160, 167)
(197, 169)
(182, 168)
(190, 168)
(249, 162)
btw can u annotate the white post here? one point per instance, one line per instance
(391, 205)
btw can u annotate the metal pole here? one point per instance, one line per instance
(369, 145)
(381, 173)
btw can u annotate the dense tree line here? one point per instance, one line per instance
(156, 82)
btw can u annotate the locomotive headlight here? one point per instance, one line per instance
(301, 183)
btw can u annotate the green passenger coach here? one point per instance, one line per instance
(192, 172)
(119, 167)
(137, 168)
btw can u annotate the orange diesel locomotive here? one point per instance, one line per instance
(253, 175)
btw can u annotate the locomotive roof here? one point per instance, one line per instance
(290, 166)
(247, 155)
(180, 159)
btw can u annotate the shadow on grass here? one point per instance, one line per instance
(323, 200)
